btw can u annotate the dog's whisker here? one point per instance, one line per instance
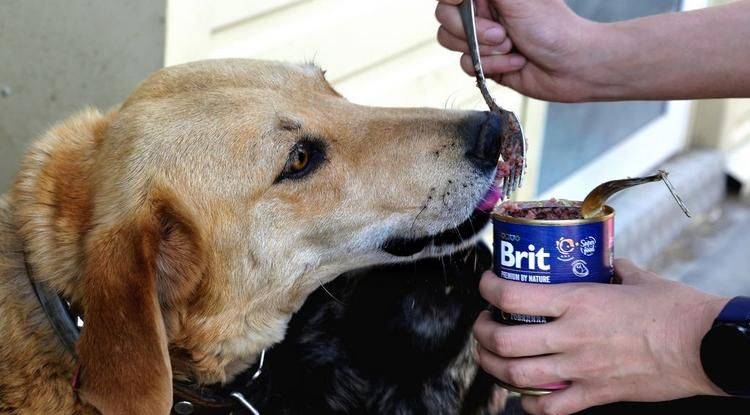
(414, 222)
(473, 229)
(458, 232)
(450, 96)
(455, 98)
(445, 271)
(330, 294)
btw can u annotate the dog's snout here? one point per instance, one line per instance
(483, 140)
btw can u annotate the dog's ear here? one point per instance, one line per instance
(135, 270)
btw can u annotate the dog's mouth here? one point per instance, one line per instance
(466, 231)
(453, 237)
(495, 192)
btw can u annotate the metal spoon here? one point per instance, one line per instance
(512, 140)
(593, 204)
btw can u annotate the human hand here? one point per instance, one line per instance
(638, 341)
(540, 48)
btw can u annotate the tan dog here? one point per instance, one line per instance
(190, 223)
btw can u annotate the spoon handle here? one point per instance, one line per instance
(593, 204)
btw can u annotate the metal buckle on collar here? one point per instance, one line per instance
(186, 407)
(239, 397)
(244, 402)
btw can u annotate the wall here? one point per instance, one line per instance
(375, 52)
(725, 124)
(60, 56)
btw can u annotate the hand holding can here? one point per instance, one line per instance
(549, 243)
(634, 341)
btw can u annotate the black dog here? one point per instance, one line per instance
(384, 340)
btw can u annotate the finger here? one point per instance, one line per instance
(526, 372)
(631, 274)
(568, 401)
(488, 31)
(504, 47)
(447, 40)
(518, 341)
(495, 64)
(510, 79)
(483, 9)
(525, 298)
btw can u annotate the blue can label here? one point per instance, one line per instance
(552, 254)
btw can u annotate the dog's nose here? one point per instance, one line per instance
(483, 141)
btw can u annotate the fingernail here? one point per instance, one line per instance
(517, 60)
(495, 36)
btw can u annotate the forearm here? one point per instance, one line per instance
(698, 54)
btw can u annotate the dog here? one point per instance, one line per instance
(191, 222)
(388, 339)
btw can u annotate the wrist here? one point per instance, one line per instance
(681, 344)
(710, 312)
(724, 349)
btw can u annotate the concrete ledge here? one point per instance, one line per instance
(713, 256)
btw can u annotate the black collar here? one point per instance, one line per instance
(188, 398)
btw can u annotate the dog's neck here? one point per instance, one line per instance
(52, 211)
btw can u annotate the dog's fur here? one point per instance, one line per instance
(390, 339)
(166, 223)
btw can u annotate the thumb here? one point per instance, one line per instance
(629, 273)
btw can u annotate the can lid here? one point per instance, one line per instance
(498, 214)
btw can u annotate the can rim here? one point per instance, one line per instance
(609, 213)
(523, 391)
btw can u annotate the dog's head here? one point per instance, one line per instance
(222, 193)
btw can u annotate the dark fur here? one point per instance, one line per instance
(385, 345)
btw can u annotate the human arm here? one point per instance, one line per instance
(688, 55)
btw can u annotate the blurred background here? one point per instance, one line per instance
(57, 57)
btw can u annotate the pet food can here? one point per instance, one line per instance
(547, 242)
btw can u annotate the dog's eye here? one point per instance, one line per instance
(298, 160)
(303, 159)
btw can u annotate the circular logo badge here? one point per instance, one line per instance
(565, 246)
(580, 269)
